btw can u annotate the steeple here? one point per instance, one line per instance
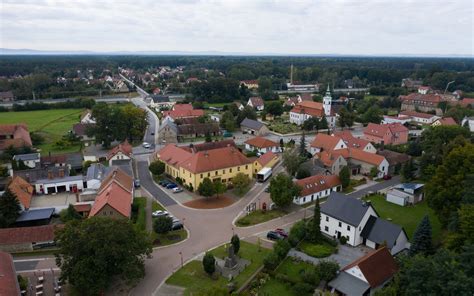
(327, 102)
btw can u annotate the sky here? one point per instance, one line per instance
(354, 27)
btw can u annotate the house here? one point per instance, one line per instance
(192, 166)
(468, 122)
(122, 151)
(267, 160)
(292, 101)
(332, 162)
(424, 102)
(308, 109)
(315, 187)
(315, 167)
(23, 191)
(388, 134)
(168, 131)
(239, 106)
(183, 111)
(250, 84)
(9, 285)
(262, 145)
(31, 160)
(86, 118)
(73, 161)
(54, 179)
(256, 103)
(20, 239)
(458, 94)
(466, 102)
(356, 143)
(359, 222)
(254, 127)
(418, 117)
(406, 194)
(324, 142)
(365, 275)
(96, 172)
(113, 201)
(159, 101)
(195, 130)
(16, 135)
(6, 96)
(80, 130)
(424, 90)
(401, 119)
(444, 121)
(395, 160)
(35, 217)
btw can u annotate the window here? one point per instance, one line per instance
(327, 219)
(326, 228)
(223, 171)
(216, 173)
(238, 169)
(230, 170)
(340, 224)
(348, 228)
(246, 166)
(208, 174)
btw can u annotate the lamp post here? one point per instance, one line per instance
(447, 85)
(181, 255)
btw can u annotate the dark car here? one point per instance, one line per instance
(177, 225)
(43, 245)
(273, 235)
(171, 186)
(164, 183)
(387, 177)
(281, 232)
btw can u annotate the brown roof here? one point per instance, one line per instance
(116, 197)
(175, 114)
(379, 130)
(21, 235)
(8, 280)
(357, 154)
(377, 267)
(80, 129)
(209, 145)
(351, 141)
(22, 189)
(308, 107)
(52, 159)
(328, 158)
(266, 158)
(261, 142)
(417, 114)
(19, 133)
(466, 101)
(256, 101)
(117, 175)
(82, 207)
(325, 142)
(317, 183)
(393, 157)
(123, 147)
(198, 128)
(447, 121)
(428, 99)
(182, 107)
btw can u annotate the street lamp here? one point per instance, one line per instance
(181, 254)
(447, 85)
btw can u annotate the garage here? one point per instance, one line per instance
(61, 188)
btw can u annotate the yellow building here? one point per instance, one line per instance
(193, 165)
(267, 160)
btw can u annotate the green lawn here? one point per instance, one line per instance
(316, 250)
(155, 206)
(275, 287)
(283, 127)
(293, 269)
(408, 217)
(195, 280)
(139, 217)
(354, 183)
(259, 216)
(51, 124)
(169, 238)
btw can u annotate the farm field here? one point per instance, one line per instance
(51, 124)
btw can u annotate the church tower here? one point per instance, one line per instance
(327, 102)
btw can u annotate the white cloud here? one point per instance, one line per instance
(268, 26)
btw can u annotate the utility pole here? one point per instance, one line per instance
(447, 85)
(34, 97)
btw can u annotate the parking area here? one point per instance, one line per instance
(53, 200)
(43, 283)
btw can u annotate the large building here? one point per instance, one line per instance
(389, 134)
(315, 187)
(307, 109)
(192, 165)
(425, 102)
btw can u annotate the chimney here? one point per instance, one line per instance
(382, 145)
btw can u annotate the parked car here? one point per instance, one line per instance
(281, 232)
(164, 183)
(159, 213)
(273, 235)
(136, 183)
(146, 145)
(387, 177)
(177, 190)
(175, 220)
(37, 246)
(267, 189)
(177, 226)
(171, 186)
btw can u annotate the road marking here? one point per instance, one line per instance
(31, 260)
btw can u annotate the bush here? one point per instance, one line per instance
(23, 282)
(235, 241)
(302, 289)
(209, 263)
(281, 248)
(327, 270)
(316, 250)
(343, 240)
(157, 167)
(310, 276)
(163, 224)
(297, 233)
(179, 180)
(271, 261)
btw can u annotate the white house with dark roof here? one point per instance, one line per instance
(31, 160)
(256, 103)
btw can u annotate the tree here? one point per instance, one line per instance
(241, 183)
(209, 263)
(206, 188)
(314, 231)
(302, 173)
(157, 167)
(283, 190)
(323, 124)
(228, 121)
(303, 152)
(345, 177)
(407, 171)
(274, 108)
(69, 214)
(163, 224)
(119, 251)
(291, 161)
(297, 233)
(282, 144)
(422, 238)
(9, 208)
(374, 171)
(219, 187)
(235, 241)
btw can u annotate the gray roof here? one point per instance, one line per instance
(36, 214)
(25, 157)
(343, 208)
(349, 285)
(58, 179)
(253, 124)
(74, 160)
(168, 123)
(97, 171)
(160, 98)
(409, 186)
(315, 167)
(125, 165)
(379, 231)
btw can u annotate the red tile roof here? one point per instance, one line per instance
(417, 114)
(123, 147)
(82, 207)
(22, 235)
(447, 121)
(117, 176)
(466, 102)
(256, 101)
(183, 107)
(329, 157)
(116, 197)
(266, 158)
(428, 99)
(8, 280)
(325, 142)
(351, 141)
(377, 267)
(379, 130)
(261, 142)
(22, 189)
(176, 114)
(19, 133)
(317, 183)
(308, 107)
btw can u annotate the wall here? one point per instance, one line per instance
(312, 197)
(16, 248)
(395, 199)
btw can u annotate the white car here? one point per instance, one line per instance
(159, 213)
(177, 190)
(146, 145)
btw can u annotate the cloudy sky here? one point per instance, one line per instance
(439, 27)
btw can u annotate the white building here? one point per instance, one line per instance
(468, 122)
(262, 145)
(318, 186)
(61, 184)
(31, 160)
(420, 118)
(308, 109)
(405, 194)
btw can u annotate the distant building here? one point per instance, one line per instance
(31, 160)
(22, 190)
(22, 239)
(16, 135)
(425, 102)
(6, 96)
(262, 145)
(254, 127)
(418, 117)
(388, 134)
(424, 90)
(267, 160)
(256, 103)
(123, 151)
(469, 123)
(411, 84)
(250, 84)
(444, 121)
(406, 194)
(307, 109)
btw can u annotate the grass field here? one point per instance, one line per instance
(51, 124)
(139, 217)
(408, 217)
(195, 280)
(259, 216)
(316, 250)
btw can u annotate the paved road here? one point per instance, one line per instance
(148, 184)
(376, 187)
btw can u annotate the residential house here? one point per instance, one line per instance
(314, 187)
(181, 111)
(254, 127)
(444, 121)
(466, 102)
(356, 143)
(256, 103)
(73, 161)
(80, 130)
(267, 160)
(469, 123)
(7, 96)
(159, 101)
(192, 167)
(22, 190)
(83, 208)
(395, 160)
(358, 221)
(405, 194)
(262, 145)
(324, 142)
(365, 275)
(122, 151)
(9, 285)
(168, 131)
(458, 94)
(239, 105)
(250, 84)
(195, 130)
(292, 101)
(86, 118)
(96, 172)
(31, 160)
(388, 134)
(315, 167)
(418, 117)
(401, 119)
(308, 109)
(20, 239)
(54, 179)
(332, 162)
(425, 103)
(16, 135)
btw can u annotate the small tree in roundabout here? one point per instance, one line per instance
(209, 263)
(235, 241)
(219, 187)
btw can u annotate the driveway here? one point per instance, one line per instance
(344, 256)
(374, 188)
